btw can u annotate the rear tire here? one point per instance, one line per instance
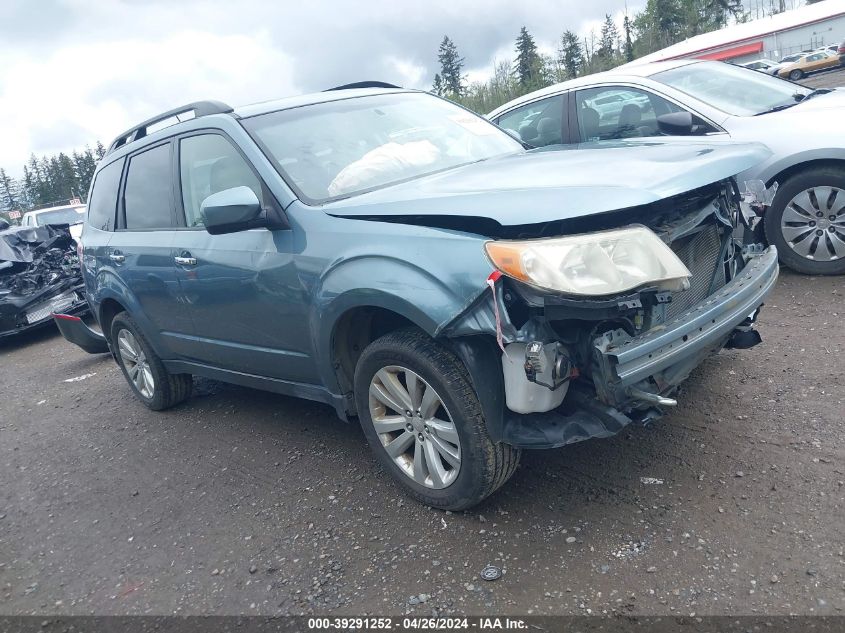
(794, 229)
(152, 383)
(410, 355)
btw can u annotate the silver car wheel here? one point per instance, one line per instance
(813, 224)
(136, 364)
(414, 427)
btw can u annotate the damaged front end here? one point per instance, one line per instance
(577, 367)
(39, 275)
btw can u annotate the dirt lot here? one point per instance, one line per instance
(828, 79)
(240, 501)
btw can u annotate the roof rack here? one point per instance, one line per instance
(363, 84)
(199, 108)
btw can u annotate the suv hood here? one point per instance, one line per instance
(558, 183)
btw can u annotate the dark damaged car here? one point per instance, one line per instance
(39, 275)
(413, 266)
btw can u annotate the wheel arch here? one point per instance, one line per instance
(362, 298)
(354, 329)
(785, 172)
(109, 308)
(360, 326)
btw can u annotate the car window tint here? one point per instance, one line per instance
(148, 196)
(537, 123)
(209, 163)
(617, 112)
(103, 200)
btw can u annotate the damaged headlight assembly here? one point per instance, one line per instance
(592, 264)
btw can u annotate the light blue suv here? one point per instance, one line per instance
(413, 266)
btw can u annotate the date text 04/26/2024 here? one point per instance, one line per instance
(416, 623)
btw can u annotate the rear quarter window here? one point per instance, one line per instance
(102, 202)
(148, 194)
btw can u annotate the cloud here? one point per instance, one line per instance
(76, 71)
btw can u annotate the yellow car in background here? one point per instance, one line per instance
(810, 63)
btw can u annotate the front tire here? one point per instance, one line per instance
(143, 369)
(795, 75)
(423, 421)
(807, 222)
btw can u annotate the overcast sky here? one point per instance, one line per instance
(76, 71)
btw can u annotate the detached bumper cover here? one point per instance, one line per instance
(77, 332)
(690, 335)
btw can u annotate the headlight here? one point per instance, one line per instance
(601, 263)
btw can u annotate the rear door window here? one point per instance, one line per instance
(148, 193)
(102, 203)
(537, 123)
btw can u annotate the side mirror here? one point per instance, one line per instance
(676, 124)
(231, 210)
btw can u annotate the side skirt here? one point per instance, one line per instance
(315, 393)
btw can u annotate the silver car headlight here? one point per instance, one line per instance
(592, 264)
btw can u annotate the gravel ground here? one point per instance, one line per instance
(827, 79)
(240, 501)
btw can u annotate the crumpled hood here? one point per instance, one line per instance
(559, 183)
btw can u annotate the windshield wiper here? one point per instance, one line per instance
(814, 93)
(778, 108)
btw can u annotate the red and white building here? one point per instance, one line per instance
(773, 37)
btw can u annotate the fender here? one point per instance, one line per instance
(768, 171)
(427, 300)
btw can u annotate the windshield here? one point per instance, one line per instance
(68, 215)
(340, 148)
(732, 89)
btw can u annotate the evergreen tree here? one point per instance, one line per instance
(8, 191)
(28, 190)
(84, 165)
(100, 151)
(608, 44)
(629, 44)
(451, 66)
(437, 88)
(527, 62)
(570, 54)
(68, 184)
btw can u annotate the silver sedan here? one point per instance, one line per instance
(802, 127)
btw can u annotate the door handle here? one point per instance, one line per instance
(185, 261)
(117, 258)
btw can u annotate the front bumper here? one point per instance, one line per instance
(658, 360)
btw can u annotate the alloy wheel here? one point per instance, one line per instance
(135, 362)
(813, 224)
(414, 427)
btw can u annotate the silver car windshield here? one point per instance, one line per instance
(341, 148)
(732, 89)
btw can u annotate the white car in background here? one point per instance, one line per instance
(763, 65)
(802, 127)
(72, 214)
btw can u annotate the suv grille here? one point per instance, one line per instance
(700, 253)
